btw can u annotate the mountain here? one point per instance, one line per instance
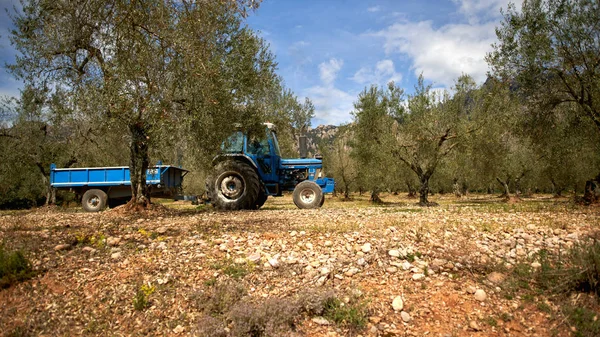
(322, 134)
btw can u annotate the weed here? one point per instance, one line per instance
(584, 320)
(210, 326)
(221, 297)
(544, 307)
(14, 267)
(210, 282)
(140, 300)
(491, 321)
(351, 315)
(232, 269)
(506, 317)
(274, 317)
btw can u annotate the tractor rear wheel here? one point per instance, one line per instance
(94, 200)
(234, 185)
(308, 195)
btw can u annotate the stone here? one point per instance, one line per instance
(418, 277)
(351, 272)
(113, 241)
(62, 247)
(471, 290)
(406, 265)
(162, 245)
(239, 260)
(496, 277)
(397, 303)
(480, 295)
(116, 255)
(536, 265)
(391, 270)
(320, 320)
(254, 257)
(405, 316)
(178, 329)
(361, 262)
(473, 325)
(89, 250)
(162, 230)
(366, 248)
(325, 271)
(328, 243)
(394, 253)
(274, 263)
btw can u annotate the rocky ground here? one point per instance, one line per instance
(439, 271)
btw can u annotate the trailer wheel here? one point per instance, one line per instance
(94, 200)
(235, 186)
(308, 195)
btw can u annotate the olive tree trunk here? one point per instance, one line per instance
(424, 191)
(591, 193)
(504, 183)
(138, 164)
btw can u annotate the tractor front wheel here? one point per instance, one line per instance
(308, 195)
(94, 200)
(234, 185)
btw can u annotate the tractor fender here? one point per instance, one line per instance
(234, 156)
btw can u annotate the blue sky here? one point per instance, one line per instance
(330, 50)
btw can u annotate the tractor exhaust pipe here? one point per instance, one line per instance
(302, 146)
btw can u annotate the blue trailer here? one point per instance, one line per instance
(102, 186)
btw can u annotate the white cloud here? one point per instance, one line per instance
(383, 72)
(374, 9)
(482, 10)
(332, 105)
(328, 70)
(442, 54)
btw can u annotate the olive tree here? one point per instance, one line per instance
(550, 50)
(146, 68)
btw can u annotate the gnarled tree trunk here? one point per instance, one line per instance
(375, 196)
(140, 196)
(412, 191)
(506, 193)
(591, 193)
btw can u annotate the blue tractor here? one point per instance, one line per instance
(250, 168)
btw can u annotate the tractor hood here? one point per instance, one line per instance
(304, 162)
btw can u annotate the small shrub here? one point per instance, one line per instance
(14, 267)
(141, 299)
(584, 320)
(275, 317)
(313, 302)
(210, 326)
(221, 297)
(351, 315)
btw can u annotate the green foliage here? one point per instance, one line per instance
(14, 267)
(351, 315)
(547, 48)
(141, 299)
(150, 71)
(562, 277)
(584, 320)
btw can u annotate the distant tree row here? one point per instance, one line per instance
(534, 125)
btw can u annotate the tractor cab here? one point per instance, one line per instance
(258, 155)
